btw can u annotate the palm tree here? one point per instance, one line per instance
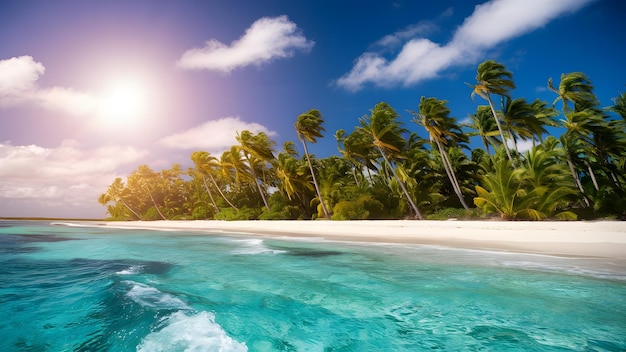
(148, 182)
(201, 162)
(543, 116)
(309, 128)
(385, 135)
(357, 150)
(576, 88)
(619, 105)
(524, 192)
(610, 146)
(434, 116)
(291, 171)
(257, 150)
(175, 191)
(493, 78)
(116, 192)
(485, 126)
(233, 168)
(336, 183)
(519, 119)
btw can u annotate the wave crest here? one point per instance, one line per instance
(190, 332)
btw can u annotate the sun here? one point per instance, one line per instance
(123, 102)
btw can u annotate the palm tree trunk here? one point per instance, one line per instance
(495, 116)
(616, 181)
(593, 176)
(406, 192)
(317, 187)
(221, 193)
(451, 175)
(156, 207)
(577, 179)
(258, 185)
(206, 186)
(131, 209)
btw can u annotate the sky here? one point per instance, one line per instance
(90, 90)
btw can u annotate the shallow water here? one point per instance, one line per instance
(68, 288)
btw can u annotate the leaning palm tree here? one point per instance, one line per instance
(575, 88)
(257, 150)
(485, 127)
(116, 192)
(356, 148)
(579, 119)
(544, 116)
(385, 135)
(434, 116)
(519, 119)
(494, 78)
(210, 166)
(149, 182)
(201, 160)
(309, 128)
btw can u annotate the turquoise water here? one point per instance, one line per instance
(68, 288)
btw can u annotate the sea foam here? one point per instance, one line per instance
(190, 332)
(149, 296)
(133, 270)
(255, 246)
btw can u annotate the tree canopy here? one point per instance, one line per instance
(575, 168)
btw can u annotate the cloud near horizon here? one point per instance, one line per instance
(66, 176)
(267, 39)
(491, 23)
(214, 136)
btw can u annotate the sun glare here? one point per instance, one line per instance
(123, 103)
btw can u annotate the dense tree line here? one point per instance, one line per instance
(386, 171)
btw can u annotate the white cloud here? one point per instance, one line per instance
(267, 39)
(68, 100)
(491, 23)
(522, 145)
(18, 77)
(63, 176)
(213, 136)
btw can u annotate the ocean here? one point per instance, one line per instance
(67, 287)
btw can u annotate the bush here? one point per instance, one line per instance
(200, 212)
(454, 213)
(287, 213)
(151, 214)
(365, 207)
(231, 214)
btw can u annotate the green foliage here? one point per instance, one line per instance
(151, 214)
(243, 213)
(200, 212)
(365, 207)
(386, 171)
(281, 208)
(533, 192)
(454, 213)
(609, 201)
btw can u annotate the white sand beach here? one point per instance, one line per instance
(603, 239)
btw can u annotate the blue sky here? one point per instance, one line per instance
(89, 90)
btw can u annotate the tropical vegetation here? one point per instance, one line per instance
(575, 168)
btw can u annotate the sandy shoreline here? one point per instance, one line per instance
(604, 239)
